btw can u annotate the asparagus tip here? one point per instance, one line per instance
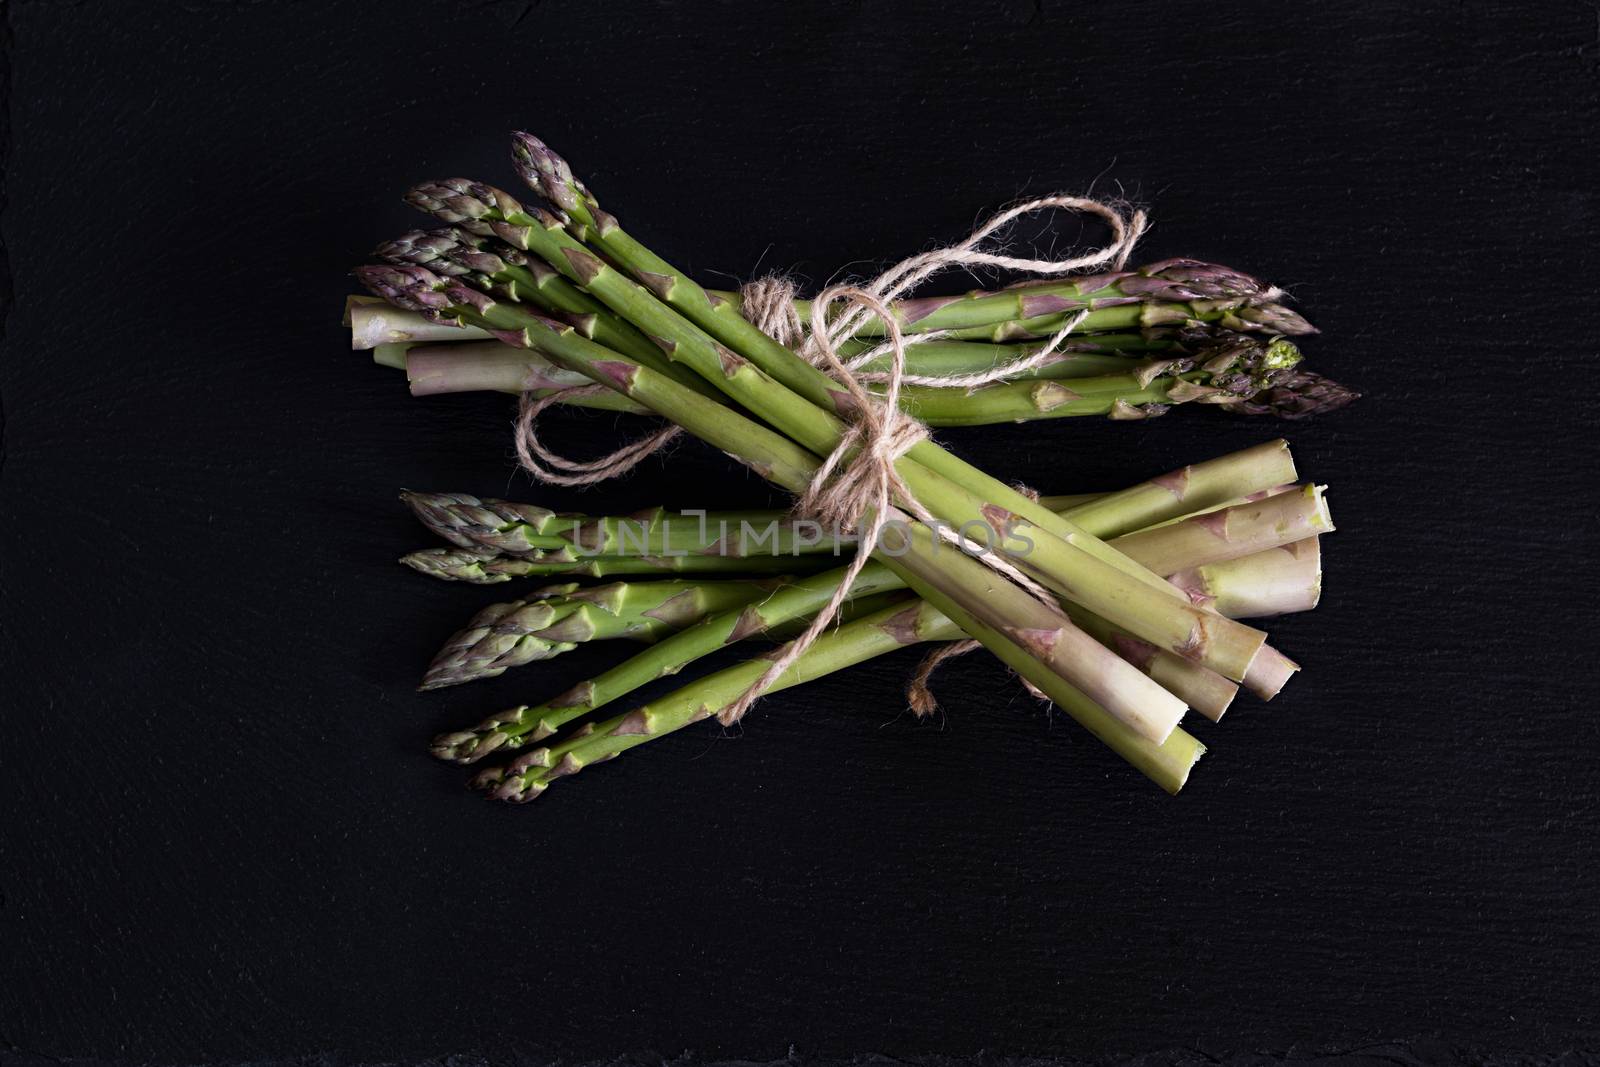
(455, 565)
(405, 286)
(545, 171)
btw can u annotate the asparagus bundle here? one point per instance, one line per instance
(1191, 352)
(952, 490)
(887, 630)
(1241, 531)
(558, 299)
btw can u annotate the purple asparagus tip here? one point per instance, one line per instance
(545, 171)
(1300, 395)
(405, 286)
(435, 249)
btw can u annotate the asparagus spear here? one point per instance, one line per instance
(558, 618)
(1167, 764)
(1274, 581)
(1172, 292)
(1080, 356)
(1058, 553)
(490, 366)
(1230, 375)
(518, 529)
(1085, 356)
(1241, 530)
(1143, 387)
(1034, 638)
(1194, 488)
(377, 324)
(485, 566)
(480, 366)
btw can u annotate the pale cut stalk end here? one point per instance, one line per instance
(1269, 672)
(390, 355)
(1278, 581)
(483, 367)
(1204, 690)
(355, 300)
(1131, 696)
(1199, 751)
(1207, 692)
(381, 323)
(369, 326)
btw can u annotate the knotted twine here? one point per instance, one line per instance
(857, 487)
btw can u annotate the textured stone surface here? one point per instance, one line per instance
(220, 836)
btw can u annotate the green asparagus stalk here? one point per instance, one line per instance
(492, 366)
(1234, 373)
(1226, 533)
(485, 566)
(1057, 552)
(558, 618)
(377, 324)
(1275, 581)
(1166, 764)
(1194, 488)
(1262, 522)
(519, 529)
(1089, 356)
(381, 323)
(1080, 356)
(1138, 389)
(1241, 530)
(481, 366)
(1033, 638)
(1174, 292)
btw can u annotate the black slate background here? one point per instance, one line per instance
(221, 840)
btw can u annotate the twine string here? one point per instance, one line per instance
(548, 466)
